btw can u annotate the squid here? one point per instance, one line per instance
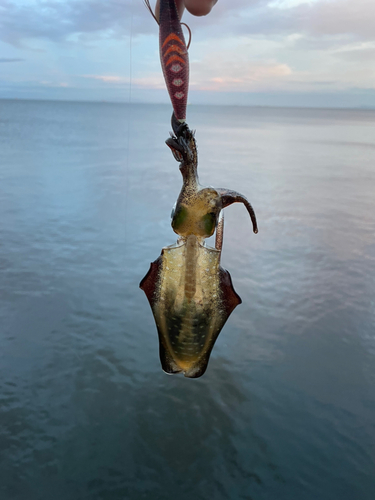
(190, 294)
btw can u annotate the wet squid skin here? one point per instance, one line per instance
(191, 297)
(190, 294)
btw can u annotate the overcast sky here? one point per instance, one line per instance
(262, 52)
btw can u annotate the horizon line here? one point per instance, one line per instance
(144, 103)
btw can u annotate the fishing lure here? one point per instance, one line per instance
(174, 56)
(190, 294)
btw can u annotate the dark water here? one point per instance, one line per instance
(286, 409)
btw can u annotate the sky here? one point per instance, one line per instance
(318, 53)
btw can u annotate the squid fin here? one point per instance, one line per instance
(149, 282)
(230, 297)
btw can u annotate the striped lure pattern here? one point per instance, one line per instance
(174, 57)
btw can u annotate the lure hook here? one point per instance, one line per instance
(149, 8)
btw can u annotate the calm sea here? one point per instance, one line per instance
(286, 409)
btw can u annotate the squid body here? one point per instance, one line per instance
(190, 294)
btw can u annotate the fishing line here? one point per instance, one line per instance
(130, 51)
(127, 156)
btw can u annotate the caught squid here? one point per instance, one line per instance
(190, 294)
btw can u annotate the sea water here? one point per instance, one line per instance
(286, 409)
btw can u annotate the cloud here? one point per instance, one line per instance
(108, 78)
(48, 83)
(252, 46)
(10, 59)
(237, 77)
(320, 18)
(357, 54)
(339, 17)
(57, 20)
(233, 65)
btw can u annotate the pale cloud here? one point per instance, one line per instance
(57, 20)
(287, 4)
(238, 65)
(243, 46)
(108, 78)
(357, 53)
(350, 18)
(358, 56)
(10, 59)
(54, 84)
(152, 81)
(238, 78)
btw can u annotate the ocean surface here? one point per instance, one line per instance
(286, 409)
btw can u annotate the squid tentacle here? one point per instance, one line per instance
(228, 197)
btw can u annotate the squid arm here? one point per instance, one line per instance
(229, 197)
